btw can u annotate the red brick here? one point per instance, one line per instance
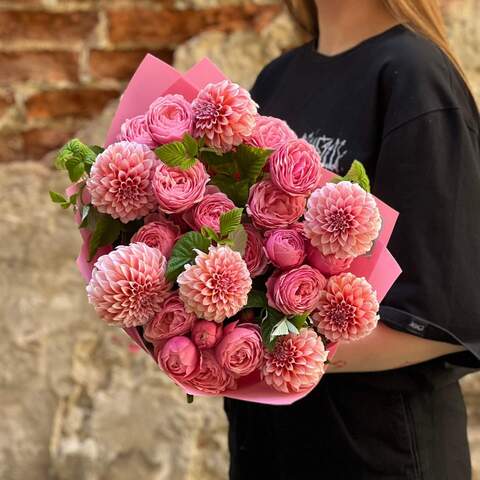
(5, 103)
(42, 66)
(39, 141)
(120, 64)
(12, 144)
(169, 27)
(82, 103)
(40, 25)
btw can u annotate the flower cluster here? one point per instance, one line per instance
(232, 252)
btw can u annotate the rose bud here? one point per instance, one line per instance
(206, 334)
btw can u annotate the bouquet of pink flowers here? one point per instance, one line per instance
(216, 240)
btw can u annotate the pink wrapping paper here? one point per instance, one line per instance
(378, 267)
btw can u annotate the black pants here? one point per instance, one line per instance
(405, 424)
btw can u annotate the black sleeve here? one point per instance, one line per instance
(429, 170)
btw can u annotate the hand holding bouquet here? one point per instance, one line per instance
(215, 238)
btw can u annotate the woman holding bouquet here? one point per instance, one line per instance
(380, 84)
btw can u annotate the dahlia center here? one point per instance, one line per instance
(127, 190)
(221, 282)
(284, 355)
(342, 314)
(206, 112)
(338, 221)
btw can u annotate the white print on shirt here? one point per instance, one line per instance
(331, 150)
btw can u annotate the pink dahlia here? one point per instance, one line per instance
(136, 130)
(128, 285)
(295, 291)
(224, 115)
(176, 189)
(254, 255)
(208, 211)
(161, 234)
(270, 132)
(120, 181)
(296, 167)
(342, 219)
(211, 377)
(170, 321)
(271, 207)
(347, 309)
(216, 287)
(297, 362)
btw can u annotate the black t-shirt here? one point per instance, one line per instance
(396, 103)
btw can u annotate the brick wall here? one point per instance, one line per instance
(62, 61)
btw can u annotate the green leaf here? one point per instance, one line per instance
(174, 154)
(237, 191)
(219, 163)
(299, 320)
(75, 151)
(256, 299)
(209, 233)
(238, 240)
(57, 197)
(271, 318)
(96, 149)
(73, 199)
(107, 230)
(85, 212)
(191, 145)
(190, 398)
(251, 161)
(229, 221)
(292, 328)
(75, 168)
(358, 174)
(279, 329)
(184, 252)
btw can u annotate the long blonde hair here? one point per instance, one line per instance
(421, 16)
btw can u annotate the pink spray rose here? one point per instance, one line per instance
(208, 211)
(128, 286)
(254, 255)
(271, 207)
(120, 181)
(241, 350)
(170, 321)
(206, 334)
(347, 308)
(216, 286)
(297, 362)
(270, 132)
(136, 130)
(285, 248)
(169, 118)
(342, 219)
(295, 291)
(161, 234)
(296, 168)
(327, 264)
(179, 358)
(224, 115)
(211, 377)
(177, 189)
